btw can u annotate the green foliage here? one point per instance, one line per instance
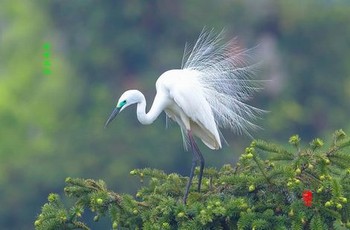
(262, 191)
(54, 215)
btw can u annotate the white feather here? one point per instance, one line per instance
(226, 78)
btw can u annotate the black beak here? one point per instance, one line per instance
(112, 116)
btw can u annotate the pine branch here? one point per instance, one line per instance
(273, 148)
(264, 190)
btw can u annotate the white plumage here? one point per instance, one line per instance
(208, 92)
(190, 109)
(226, 80)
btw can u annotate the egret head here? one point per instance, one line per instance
(126, 99)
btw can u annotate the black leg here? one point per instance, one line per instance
(196, 156)
(191, 177)
(200, 158)
(201, 168)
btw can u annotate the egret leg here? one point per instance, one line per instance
(191, 177)
(196, 157)
(200, 158)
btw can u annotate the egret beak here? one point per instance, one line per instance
(112, 116)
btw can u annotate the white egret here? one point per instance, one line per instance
(207, 93)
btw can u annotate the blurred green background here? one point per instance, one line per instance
(51, 124)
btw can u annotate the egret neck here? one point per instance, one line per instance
(158, 106)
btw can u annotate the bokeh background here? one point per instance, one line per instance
(51, 123)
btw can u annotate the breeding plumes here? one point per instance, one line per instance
(209, 92)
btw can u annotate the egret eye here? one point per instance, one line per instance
(121, 104)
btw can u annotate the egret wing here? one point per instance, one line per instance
(196, 112)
